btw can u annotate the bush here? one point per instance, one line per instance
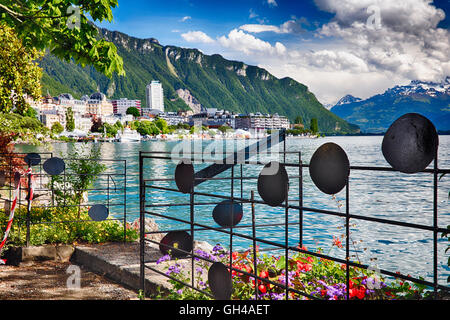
(57, 128)
(66, 232)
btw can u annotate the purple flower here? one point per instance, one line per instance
(204, 254)
(174, 269)
(199, 270)
(163, 258)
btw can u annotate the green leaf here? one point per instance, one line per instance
(281, 263)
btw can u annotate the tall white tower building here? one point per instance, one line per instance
(155, 96)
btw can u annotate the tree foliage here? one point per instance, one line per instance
(133, 111)
(57, 128)
(97, 125)
(161, 124)
(62, 27)
(20, 74)
(145, 127)
(314, 126)
(83, 170)
(70, 121)
(22, 127)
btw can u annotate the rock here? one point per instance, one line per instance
(203, 245)
(17, 255)
(64, 252)
(150, 226)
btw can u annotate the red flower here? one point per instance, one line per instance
(264, 274)
(323, 292)
(337, 242)
(262, 288)
(361, 293)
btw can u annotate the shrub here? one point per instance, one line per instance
(64, 232)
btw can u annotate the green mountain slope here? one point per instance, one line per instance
(211, 81)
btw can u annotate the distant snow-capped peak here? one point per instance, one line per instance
(422, 87)
(347, 99)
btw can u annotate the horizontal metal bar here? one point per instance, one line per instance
(340, 214)
(70, 221)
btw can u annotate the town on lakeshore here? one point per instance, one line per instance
(96, 117)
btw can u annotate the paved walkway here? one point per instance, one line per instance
(120, 262)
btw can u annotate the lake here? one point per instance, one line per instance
(388, 195)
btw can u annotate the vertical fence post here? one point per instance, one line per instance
(28, 219)
(347, 237)
(255, 266)
(141, 222)
(286, 240)
(191, 201)
(300, 199)
(125, 203)
(435, 225)
(232, 216)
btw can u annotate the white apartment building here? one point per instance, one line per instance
(155, 96)
(120, 106)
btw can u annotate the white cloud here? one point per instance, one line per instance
(352, 56)
(238, 40)
(348, 55)
(197, 36)
(290, 26)
(257, 28)
(185, 18)
(252, 14)
(407, 42)
(272, 3)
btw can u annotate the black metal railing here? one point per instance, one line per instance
(112, 186)
(290, 204)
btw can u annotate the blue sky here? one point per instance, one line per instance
(335, 47)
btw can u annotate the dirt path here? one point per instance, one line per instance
(48, 281)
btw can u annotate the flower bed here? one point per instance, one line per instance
(316, 277)
(44, 232)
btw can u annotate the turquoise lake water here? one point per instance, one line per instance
(388, 195)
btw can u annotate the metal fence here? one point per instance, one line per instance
(292, 205)
(109, 190)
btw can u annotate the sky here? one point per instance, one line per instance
(335, 47)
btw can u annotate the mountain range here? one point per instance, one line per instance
(190, 80)
(376, 114)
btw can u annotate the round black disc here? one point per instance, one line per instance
(219, 279)
(178, 239)
(329, 168)
(54, 166)
(273, 182)
(32, 159)
(184, 177)
(227, 215)
(98, 212)
(410, 143)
